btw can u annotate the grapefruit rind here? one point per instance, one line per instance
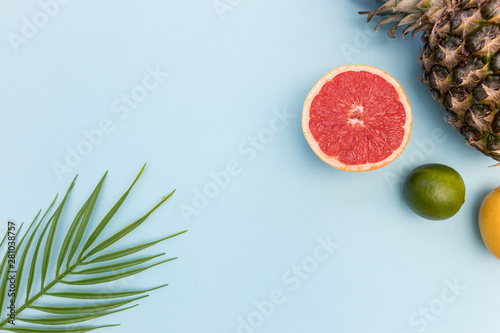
(332, 160)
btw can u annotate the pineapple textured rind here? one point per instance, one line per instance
(460, 60)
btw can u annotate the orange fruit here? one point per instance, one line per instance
(357, 118)
(489, 222)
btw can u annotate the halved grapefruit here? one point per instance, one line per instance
(357, 118)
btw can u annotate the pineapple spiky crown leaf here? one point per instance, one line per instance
(417, 15)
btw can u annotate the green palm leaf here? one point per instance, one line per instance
(38, 246)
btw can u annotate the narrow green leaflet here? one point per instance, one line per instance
(113, 277)
(97, 295)
(55, 330)
(126, 252)
(69, 320)
(69, 310)
(117, 266)
(43, 237)
(3, 239)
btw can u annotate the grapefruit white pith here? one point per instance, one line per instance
(357, 118)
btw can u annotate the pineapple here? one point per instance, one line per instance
(460, 60)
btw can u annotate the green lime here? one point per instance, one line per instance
(434, 191)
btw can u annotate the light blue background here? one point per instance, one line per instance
(227, 76)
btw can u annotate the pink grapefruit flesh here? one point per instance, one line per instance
(357, 118)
